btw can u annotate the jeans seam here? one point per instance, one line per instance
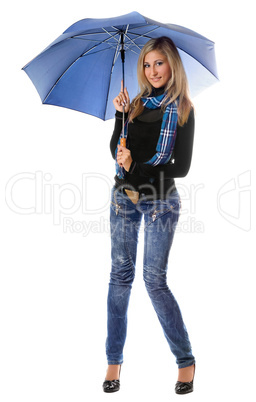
(127, 249)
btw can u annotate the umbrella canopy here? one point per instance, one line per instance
(82, 68)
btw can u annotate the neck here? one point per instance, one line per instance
(157, 91)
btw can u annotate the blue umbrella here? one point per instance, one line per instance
(83, 67)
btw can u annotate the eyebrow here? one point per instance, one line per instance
(146, 62)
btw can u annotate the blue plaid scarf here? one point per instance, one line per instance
(167, 136)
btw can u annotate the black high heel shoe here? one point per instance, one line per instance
(112, 386)
(183, 388)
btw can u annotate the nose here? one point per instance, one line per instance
(153, 71)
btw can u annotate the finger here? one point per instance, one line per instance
(122, 95)
(118, 101)
(122, 86)
(126, 93)
(122, 100)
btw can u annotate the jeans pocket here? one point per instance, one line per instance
(163, 207)
(121, 205)
(116, 204)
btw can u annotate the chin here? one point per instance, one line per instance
(157, 84)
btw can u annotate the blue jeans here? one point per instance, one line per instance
(160, 219)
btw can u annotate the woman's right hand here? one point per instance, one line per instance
(122, 99)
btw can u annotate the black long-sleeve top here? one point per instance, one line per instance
(143, 133)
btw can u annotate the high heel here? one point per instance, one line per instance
(183, 388)
(113, 385)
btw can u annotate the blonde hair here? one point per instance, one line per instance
(177, 86)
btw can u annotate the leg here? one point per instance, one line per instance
(159, 231)
(125, 221)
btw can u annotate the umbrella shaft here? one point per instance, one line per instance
(122, 51)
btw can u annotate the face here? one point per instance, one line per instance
(157, 69)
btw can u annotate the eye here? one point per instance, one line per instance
(159, 63)
(146, 65)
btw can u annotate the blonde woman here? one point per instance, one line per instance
(159, 135)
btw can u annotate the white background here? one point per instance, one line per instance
(54, 276)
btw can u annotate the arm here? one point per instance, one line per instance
(183, 155)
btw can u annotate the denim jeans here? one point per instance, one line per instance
(160, 219)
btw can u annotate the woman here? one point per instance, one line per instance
(159, 117)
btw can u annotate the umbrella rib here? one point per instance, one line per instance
(99, 43)
(132, 41)
(115, 56)
(129, 45)
(83, 54)
(145, 35)
(117, 32)
(116, 53)
(98, 33)
(113, 63)
(112, 36)
(100, 50)
(119, 41)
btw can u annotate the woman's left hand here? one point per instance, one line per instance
(124, 158)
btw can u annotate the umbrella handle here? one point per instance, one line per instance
(123, 142)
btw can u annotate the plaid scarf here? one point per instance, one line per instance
(167, 136)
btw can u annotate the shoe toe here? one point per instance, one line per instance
(183, 387)
(111, 386)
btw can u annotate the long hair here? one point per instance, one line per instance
(177, 86)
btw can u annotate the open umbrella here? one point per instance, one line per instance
(83, 67)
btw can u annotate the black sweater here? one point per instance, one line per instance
(143, 134)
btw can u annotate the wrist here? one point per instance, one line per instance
(132, 167)
(119, 114)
